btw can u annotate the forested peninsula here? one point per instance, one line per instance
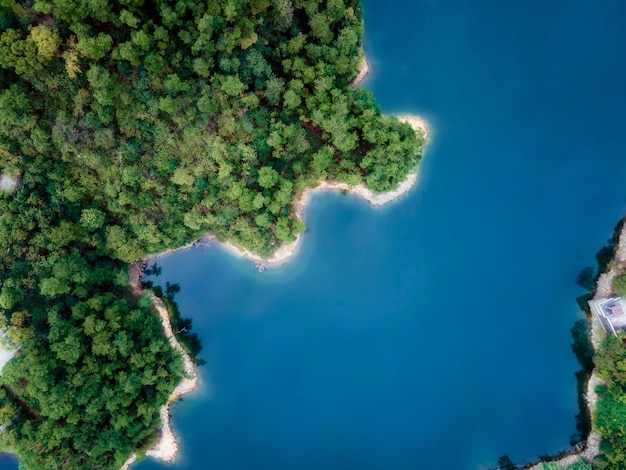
(133, 127)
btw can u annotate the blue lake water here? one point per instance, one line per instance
(433, 333)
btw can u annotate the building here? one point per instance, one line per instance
(610, 312)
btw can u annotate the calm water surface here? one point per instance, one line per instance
(433, 333)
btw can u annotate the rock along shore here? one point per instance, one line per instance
(166, 447)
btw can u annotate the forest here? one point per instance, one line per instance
(132, 127)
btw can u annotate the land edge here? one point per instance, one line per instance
(364, 70)
(286, 252)
(589, 449)
(166, 447)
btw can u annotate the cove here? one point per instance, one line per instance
(433, 333)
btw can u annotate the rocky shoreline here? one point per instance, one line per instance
(604, 288)
(166, 447)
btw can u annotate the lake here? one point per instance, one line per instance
(433, 333)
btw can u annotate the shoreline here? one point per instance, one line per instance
(285, 252)
(364, 70)
(604, 286)
(165, 448)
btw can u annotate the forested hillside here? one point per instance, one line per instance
(133, 127)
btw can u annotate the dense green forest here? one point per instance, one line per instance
(610, 413)
(136, 126)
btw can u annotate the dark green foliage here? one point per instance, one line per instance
(136, 126)
(610, 412)
(606, 254)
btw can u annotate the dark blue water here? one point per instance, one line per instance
(434, 333)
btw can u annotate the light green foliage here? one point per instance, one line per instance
(322, 159)
(92, 219)
(268, 177)
(610, 412)
(619, 285)
(580, 465)
(46, 40)
(96, 47)
(135, 128)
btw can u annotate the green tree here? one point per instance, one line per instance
(268, 177)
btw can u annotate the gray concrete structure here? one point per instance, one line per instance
(7, 184)
(610, 312)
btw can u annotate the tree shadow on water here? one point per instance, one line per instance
(182, 327)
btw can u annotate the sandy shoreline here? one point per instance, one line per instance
(287, 251)
(166, 447)
(364, 70)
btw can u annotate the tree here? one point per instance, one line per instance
(268, 177)
(47, 42)
(95, 47)
(505, 463)
(619, 285)
(92, 219)
(586, 279)
(322, 159)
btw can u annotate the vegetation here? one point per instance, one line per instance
(619, 285)
(135, 126)
(610, 413)
(580, 465)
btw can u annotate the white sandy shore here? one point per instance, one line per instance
(364, 70)
(285, 252)
(166, 447)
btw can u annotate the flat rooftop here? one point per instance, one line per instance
(611, 312)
